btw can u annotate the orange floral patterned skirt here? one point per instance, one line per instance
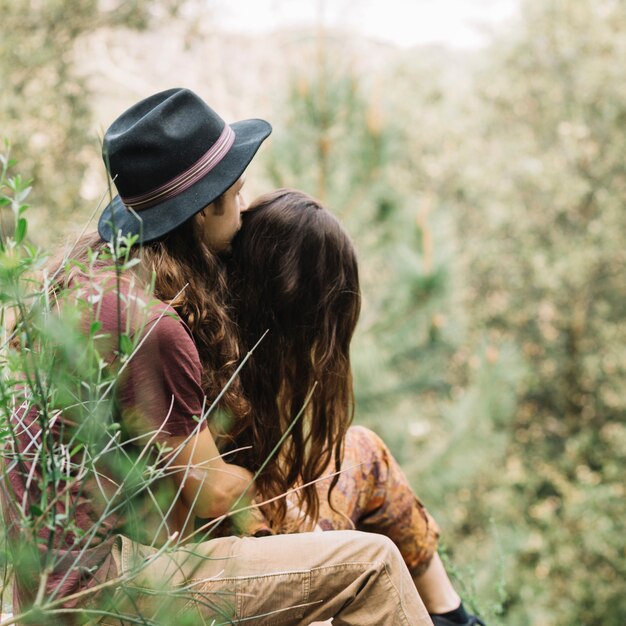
(374, 495)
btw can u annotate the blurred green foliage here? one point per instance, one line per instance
(487, 201)
(543, 230)
(44, 101)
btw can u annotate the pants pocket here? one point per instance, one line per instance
(273, 599)
(268, 600)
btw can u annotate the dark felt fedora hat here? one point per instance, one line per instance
(169, 156)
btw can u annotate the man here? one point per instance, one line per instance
(179, 170)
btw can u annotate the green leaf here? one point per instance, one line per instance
(35, 510)
(78, 264)
(76, 449)
(131, 263)
(126, 344)
(20, 230)
(22, 194)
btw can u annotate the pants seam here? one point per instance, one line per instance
(389, 580)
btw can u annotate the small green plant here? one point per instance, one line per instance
(464, 578)
(52, 362)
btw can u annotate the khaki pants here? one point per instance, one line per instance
(356, 578)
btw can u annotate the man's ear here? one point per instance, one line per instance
(199, 219)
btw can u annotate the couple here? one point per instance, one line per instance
(179, 170)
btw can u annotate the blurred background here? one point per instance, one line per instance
(475, 150)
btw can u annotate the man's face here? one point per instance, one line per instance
(222, 219)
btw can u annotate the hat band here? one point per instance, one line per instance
(186, 179)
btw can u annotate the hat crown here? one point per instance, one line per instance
(157, 139)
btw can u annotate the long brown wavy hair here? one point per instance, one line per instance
(192, 279)
(293, 272)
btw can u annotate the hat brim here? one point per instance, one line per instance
(157, 221)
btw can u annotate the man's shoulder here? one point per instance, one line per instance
(122, 303)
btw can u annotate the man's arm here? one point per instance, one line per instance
(209, 485)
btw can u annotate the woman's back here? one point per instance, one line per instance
(293, 273)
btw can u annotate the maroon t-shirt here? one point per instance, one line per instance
(158, 396)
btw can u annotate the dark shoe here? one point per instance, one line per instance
(439, 620)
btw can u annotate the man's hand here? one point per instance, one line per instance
(209, 486)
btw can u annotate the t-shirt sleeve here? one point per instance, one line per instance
(162, 389)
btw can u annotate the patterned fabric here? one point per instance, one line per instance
(374, 495)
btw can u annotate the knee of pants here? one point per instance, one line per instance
(376, 547)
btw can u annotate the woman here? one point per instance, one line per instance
(293, 274)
